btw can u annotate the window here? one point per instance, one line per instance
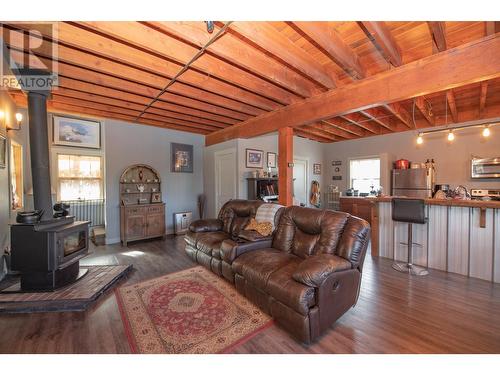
(16, 176)
(364, 173)
(79, 177)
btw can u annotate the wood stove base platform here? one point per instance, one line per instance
(75, 297)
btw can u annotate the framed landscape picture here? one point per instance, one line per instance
(271, 159)
(254, 158)
(182, 158)
(76, 132)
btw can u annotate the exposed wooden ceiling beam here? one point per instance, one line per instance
(438, 35)
(238, 53)
(305, 134)
(95, 44)
(330, 42)
(401, 113)
(330, 129)
(77, 103)
(346, 126)
(56, 107)
(450, 98)
(268, 38)
(425, 110)
(482, 98)
(148, 39)
(472, 62)
(93, 98)
(82, 86)
(360, 121)
(380, 35)
(319, 132)
(378, 117)
(68, 57)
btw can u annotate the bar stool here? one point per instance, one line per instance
(409, 211)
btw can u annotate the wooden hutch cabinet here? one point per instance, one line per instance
(142, 213)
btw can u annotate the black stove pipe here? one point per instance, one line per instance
(39, 150)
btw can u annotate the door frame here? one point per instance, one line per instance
(306, 177)
(217, 154)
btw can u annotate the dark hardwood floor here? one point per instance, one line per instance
(440, 313)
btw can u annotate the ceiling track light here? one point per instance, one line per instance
(486, 131)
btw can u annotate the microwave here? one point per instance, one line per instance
(485, 168)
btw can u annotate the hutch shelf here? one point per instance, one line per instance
(142, 212)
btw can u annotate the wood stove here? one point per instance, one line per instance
(46, 251)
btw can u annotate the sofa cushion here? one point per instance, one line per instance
(210, 242)
(256, 266)
(308, 231)
(282, 287)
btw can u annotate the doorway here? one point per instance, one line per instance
(225, 177)
(300, 181)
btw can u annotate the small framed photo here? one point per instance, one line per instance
(156, 198)
(254, 158)
(3, 151)
(271, 159)
(182, 158)
(76, 132)
(316, 168)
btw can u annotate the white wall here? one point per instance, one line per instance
(303, 149)
(452, 159)
(128, 144)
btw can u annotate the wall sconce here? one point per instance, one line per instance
(19, 119)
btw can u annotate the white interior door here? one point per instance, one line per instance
(225, 177)
(300, 181)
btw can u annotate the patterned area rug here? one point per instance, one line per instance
(191, 311)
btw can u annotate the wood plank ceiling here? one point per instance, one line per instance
(120, 70)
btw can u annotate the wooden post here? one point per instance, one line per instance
(285, 166)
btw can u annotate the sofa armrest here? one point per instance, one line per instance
(206, 225)
(230, 249)
(317, 268)
(253, 236)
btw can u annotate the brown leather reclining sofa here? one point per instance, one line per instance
(306, 275)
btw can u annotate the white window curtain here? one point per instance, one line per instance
(365, 173)
(80, 177)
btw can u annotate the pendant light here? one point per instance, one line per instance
(486, 131)
(451, 136)
(420, 139)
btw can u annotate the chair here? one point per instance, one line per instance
(411, 211)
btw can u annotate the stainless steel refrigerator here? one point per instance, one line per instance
(412, 183)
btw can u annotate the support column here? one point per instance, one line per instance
(285, 166)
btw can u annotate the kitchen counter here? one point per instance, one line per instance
(460, 236)
(433, 201)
